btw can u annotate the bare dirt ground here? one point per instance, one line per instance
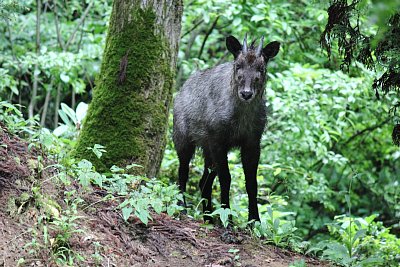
(105, 239)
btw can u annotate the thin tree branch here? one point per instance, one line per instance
(16, 59)
(186, 57)
(57, 104)
(11, 40)
(368, 129)
(193, 28)
(46, 5)
(90, 82)
(208, 34)
(73, 96)
(65, 48)
(81, 38)
(32, 103)
(58, 30)
(46, 104)
(82, 19)
(45, 107)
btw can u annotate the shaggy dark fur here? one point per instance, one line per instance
(219, 109)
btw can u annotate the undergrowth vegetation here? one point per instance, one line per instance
(328, 174)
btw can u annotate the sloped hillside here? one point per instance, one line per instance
(42, 226)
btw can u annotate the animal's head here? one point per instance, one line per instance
(250, 66)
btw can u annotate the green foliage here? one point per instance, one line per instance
(140, 195)
(151, 196)
(300, 263)
(72, 120)
(224, 214)
(98, 150)
(8, 8)
(275, 228)
(377, 50)
(276, 20)
(52, 233)
(68, 58)
(236, 255)
(320, 125)
(11, 116)
(66, 227)
(360, 242)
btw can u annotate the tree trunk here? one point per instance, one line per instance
(129, 111)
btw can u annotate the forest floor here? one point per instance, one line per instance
(100, 236)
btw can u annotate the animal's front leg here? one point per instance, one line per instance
(250, 158)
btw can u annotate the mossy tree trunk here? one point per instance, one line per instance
(129, 111)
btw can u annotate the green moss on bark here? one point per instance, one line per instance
(126, 118)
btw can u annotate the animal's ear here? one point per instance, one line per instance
(271, 50)
(233, 45)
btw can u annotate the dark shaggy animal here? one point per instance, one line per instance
(222, 108)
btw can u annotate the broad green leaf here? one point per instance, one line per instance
(126, 212)
(70, 112)
(157, 205)
(60, 130)
(64, 77)
(64, 117)
(277, 171)
(143, 215)
(81, 111)
(257, 18)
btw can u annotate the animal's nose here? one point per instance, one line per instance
(246, 94)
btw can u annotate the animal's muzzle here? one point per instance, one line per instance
(246, 95)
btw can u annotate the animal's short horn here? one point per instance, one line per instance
(244, 48)
(260, 47)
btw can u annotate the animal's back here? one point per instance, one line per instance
(202, 103)
(204, 86)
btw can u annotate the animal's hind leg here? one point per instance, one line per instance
(219, 157)
(206, 183)
(185, 154)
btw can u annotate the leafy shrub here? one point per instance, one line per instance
(141, 195)
(275, 228)
(360, 242)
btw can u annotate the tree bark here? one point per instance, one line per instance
(129, 111)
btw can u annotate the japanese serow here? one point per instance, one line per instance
(223, 108)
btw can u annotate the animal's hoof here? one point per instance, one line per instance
(183, 212)
(208, 218)
(229, 237)
(251, 222)
(183, 205)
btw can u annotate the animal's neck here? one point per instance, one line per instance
(245, 108)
